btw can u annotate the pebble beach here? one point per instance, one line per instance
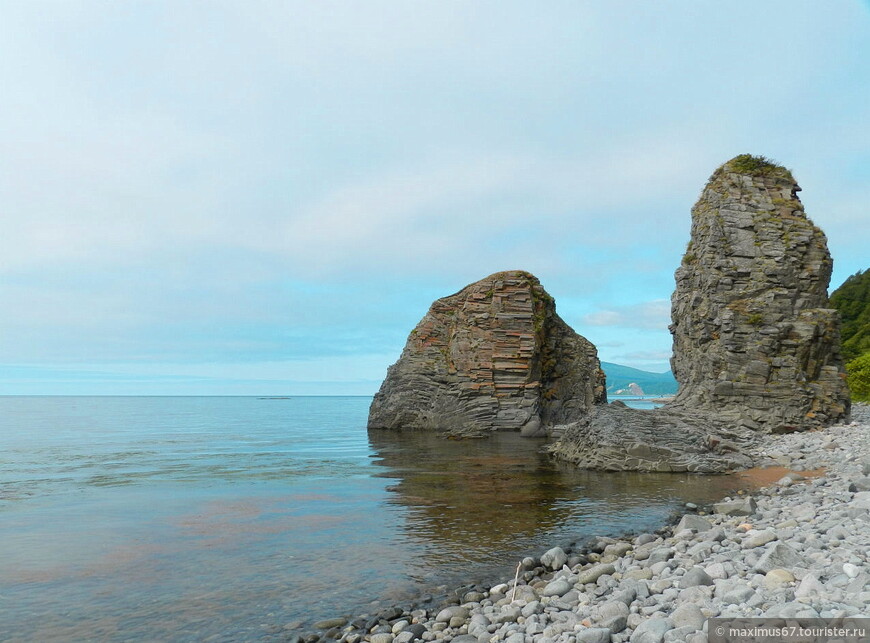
(797, 547)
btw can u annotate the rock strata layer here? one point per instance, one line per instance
(755, 340)
(494, 356)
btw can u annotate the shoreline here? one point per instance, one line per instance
(798, 547)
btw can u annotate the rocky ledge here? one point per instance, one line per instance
(615, 437)
(494, 356)
(799, 548)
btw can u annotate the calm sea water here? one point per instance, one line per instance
(222, 518)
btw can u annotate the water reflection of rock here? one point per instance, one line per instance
(480, 499)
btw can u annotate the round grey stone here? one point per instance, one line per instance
(593, 635)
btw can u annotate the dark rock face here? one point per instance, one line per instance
(755, 341)
(494, 356)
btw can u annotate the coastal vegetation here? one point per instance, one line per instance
(852, 300)
(756, 166)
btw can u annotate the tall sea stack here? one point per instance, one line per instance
(754, 338)
(756, 347)
(494, 356)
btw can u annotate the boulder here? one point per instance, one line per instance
(693, 522)
(740, 507)
(554, 558)
(494, 356)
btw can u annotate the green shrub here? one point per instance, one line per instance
(852, 299)
(755, 319)
(755, 165)
(858, 377)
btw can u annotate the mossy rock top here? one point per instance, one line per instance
(751, 165)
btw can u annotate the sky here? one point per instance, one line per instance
(263, 198)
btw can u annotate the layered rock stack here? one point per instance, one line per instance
(755, 340)
(756, 347)
(494, 356)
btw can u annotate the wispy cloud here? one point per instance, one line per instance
(651, 315)
(216, 181)
(646, 356)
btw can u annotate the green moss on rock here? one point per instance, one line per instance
(751, 165)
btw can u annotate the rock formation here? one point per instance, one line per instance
(494, 356)
(615, 437)
(755, 340)
(756, 347)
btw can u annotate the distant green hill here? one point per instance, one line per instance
(852, 299)
(619, 377)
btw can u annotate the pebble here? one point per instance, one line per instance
(651, 631)
(787, 551)
(328, 624)
(593, 635)
(759, 539)
(558, 587)
(741, 507)
(660, 554)
(776, 578)
(737, 595)
(809, 586)
(617, 549)
(688, 614)
(694, 577)
(451, 612)
(861, 484)
(780, 555)
(594, 573)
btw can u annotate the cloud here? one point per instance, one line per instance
(609, 344)
(223, 182)
(651, 315)
(647, 356)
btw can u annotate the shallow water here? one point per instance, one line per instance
(187, 518)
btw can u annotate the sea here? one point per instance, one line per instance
(249, 519)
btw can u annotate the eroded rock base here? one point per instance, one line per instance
(618, 438)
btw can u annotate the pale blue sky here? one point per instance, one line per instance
(264, 197)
